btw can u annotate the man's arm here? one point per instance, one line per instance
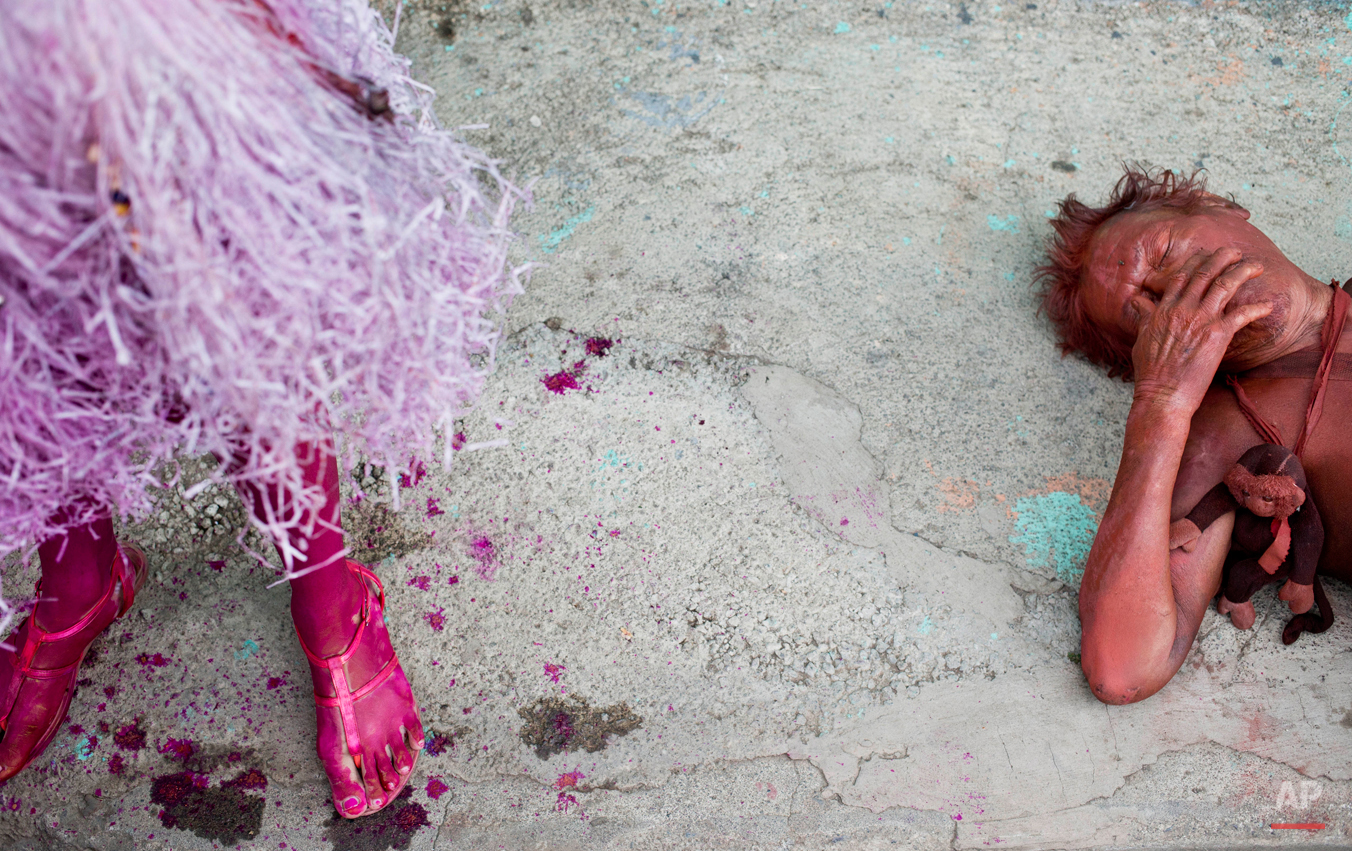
(1140, 603)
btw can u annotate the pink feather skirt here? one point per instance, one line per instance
(228, 226)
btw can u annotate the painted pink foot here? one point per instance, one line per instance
(369, 730)
(39, 672)
(1242, 615)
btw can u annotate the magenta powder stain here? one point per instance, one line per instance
(458, 440)
(436, 788)
(178, 749)
(561, 382)
(485, 554)
(116, 765)
(419, 473)
(453, 580)
(411, 817)
(175, 788)
(155, 661)
(568, 780)
(437, 619)
(251, 779)
(438, 744)
(217, 565)
(553, 671)
(433, 507)
(599, 346)
(844, 521)
(422, 583)
(130, 737)
(276, 682)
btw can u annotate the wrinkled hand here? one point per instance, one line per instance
(1181, 339)
(1299, 597)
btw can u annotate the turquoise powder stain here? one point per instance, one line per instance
(1056, 530)
(247, 649)
(551, 242)
(842, 27)
(1008, 223)
(926, 626)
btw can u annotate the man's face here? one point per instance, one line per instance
(1138, 252)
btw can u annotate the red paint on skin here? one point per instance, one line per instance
(436, 788)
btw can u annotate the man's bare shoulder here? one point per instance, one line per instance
(1218, 435)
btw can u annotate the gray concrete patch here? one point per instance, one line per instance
(816, 514)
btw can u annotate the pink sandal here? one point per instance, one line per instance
(344, 697)
(128, 574)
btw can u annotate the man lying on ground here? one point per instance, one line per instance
(1171, 287)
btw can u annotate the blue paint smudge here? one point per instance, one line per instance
(1056, 530)
(667, 112)
(1008, 223)
(550, 243)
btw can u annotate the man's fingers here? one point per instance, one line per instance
(1241, 316)
(1144, 307)
(1218, 295)
(1210, 269)
(1173, 288)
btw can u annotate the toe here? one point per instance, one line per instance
(400, 756)
(375, 795)
(413, 732)
(348, 795)
(389, 778)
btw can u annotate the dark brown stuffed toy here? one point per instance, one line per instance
(1278, 535)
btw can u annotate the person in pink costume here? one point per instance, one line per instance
(230, 227)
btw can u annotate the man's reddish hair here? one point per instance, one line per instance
(1060, 281)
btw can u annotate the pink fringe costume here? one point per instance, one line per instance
(228, 226)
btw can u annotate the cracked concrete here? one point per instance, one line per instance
(780, 459)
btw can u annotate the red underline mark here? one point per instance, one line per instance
(1313, 825)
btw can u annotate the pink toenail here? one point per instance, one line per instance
(352, 804)
(376, 802)
(389, 784)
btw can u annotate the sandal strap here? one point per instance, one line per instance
(344, 698)
(120, 572)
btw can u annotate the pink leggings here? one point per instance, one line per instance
(75, 566)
